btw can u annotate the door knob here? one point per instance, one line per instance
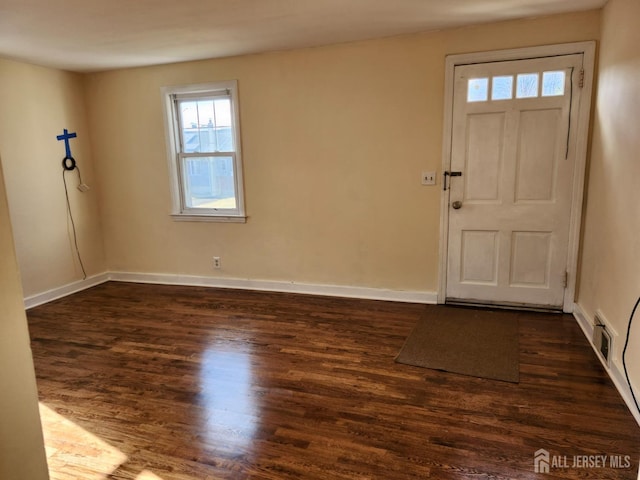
(457, 204)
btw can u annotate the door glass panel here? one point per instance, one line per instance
(502, 88)
(553, 84)
(527, 85)
(478, 90)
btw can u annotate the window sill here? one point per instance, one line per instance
(188, 217)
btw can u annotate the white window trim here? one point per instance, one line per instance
(179, 211)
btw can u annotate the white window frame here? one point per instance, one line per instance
(180, 211)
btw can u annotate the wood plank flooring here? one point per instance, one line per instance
(152, 382)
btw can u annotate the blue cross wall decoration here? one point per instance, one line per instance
(66, 136)
(68, 162)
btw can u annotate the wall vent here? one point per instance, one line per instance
(602, 339)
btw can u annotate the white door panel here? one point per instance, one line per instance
(536, 158)
(484, 142)
(508, 240)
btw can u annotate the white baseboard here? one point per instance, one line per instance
(279, 286)
(615, 370)
(236, 283)
(59, 292)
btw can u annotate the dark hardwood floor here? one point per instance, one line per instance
(152, 382)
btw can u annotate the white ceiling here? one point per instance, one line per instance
(89, 35)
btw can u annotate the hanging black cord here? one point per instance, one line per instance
(73, 225)
(624, 351)
(566, 155)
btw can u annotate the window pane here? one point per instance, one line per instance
(502, 88)
(552, 84)
(206, 125)
(209, 182)
(478, 89)
(527, 85)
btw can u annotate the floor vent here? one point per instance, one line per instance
(602, 339)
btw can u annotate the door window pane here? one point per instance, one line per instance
(478, 90)
(527, 85)
(209, 182)
(502, 88)
(553, 84)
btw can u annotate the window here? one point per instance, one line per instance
(477, 90)
(502, 88)
(204, 152)
(527, 86)
(553, 84)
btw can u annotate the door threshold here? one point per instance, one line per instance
(503, 305)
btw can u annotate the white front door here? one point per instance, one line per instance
(512, 167)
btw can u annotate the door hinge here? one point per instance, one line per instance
(565, 279)
(581, 78)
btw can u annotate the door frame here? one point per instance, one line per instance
(588, 50)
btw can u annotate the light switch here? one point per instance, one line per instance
(428, 178)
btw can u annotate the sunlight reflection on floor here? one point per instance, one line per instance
(147, 475)
(231, 414)
(229, 423)
(74, 453)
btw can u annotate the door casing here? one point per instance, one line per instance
(582, 136)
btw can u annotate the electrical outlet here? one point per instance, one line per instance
(428, 178)
(216, 262)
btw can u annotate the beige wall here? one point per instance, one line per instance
(610, 275)
(37, 103)
(334, 142)
(22, 453)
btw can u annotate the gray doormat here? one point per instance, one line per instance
(477, 342)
